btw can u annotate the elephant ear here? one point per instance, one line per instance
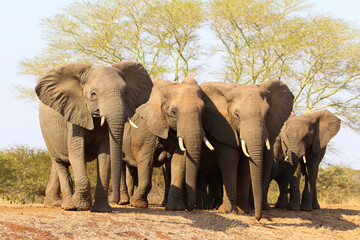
(151, 111)
(277, 148)
(327, 126)
(216, 118)
(138, 84)
(60, 88)
(281, 105)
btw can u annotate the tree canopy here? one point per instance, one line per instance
(316, 55)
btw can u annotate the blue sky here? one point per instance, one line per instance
(22, 37)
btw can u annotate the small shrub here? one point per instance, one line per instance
(337, 184)
(25, 173)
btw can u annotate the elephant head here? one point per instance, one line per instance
(176, 109)
(301, 135)
(81, 94)
(250, 117)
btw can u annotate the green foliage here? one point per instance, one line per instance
(110, 31)
(24, 173)
(337, 184)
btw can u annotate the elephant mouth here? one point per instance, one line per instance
(96, 113)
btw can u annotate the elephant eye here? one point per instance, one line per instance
(93, 96)
(237, 115)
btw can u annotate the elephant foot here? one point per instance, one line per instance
(243, 206)
(282, 202)
(67, 204)
(293, 206)
(228, 208)
(265, 206)
(124, 200)
(164, 202)
(316, 205)
(81, 202)
(175, 206)
(244, 209)
(101, 207)
(52, 201)
(306, 207)
(138, 202)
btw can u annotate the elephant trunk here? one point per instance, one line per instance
(115, 113)
(193, 140)
(254, 138)
(291, 166)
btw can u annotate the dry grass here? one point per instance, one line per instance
(37, 222)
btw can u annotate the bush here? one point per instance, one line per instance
(336, 184)
(24, 174)
(25, 171)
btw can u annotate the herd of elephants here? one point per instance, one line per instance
(219, 144)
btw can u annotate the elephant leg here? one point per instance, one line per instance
(167, 179)
(228, 158)
(282, 201)
(101, 203)
(306, 199)
(310, 182)
(131, 179)
(312, 179)
(145, 168)
(53, 189)
(202, 198)
(215, 190)
(63, 172)
(82, 195)
(176, 199)
(124, 196)
(243, 186)
(294, 203)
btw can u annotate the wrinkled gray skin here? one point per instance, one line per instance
(252, 113)
(174, 110)
(73, 99)
(304, 135)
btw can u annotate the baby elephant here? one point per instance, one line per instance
(299, 148)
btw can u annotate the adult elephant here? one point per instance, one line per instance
(251, 117)
(82, 115)
(300, 147)
(169, 127)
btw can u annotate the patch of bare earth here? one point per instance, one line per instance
(37, 222)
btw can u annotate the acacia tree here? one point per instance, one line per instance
(179, 22)
(110, 31)
(317, 56)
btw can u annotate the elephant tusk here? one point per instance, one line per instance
(267, 143)
(102, 120)
(181, 144)
(132, 123)
(286, 158)
(304, 158)
(208, 144)
(243, 146)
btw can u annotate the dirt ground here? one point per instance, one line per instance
(38, 222)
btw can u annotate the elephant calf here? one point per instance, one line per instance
(169, 124)
(300, 147)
